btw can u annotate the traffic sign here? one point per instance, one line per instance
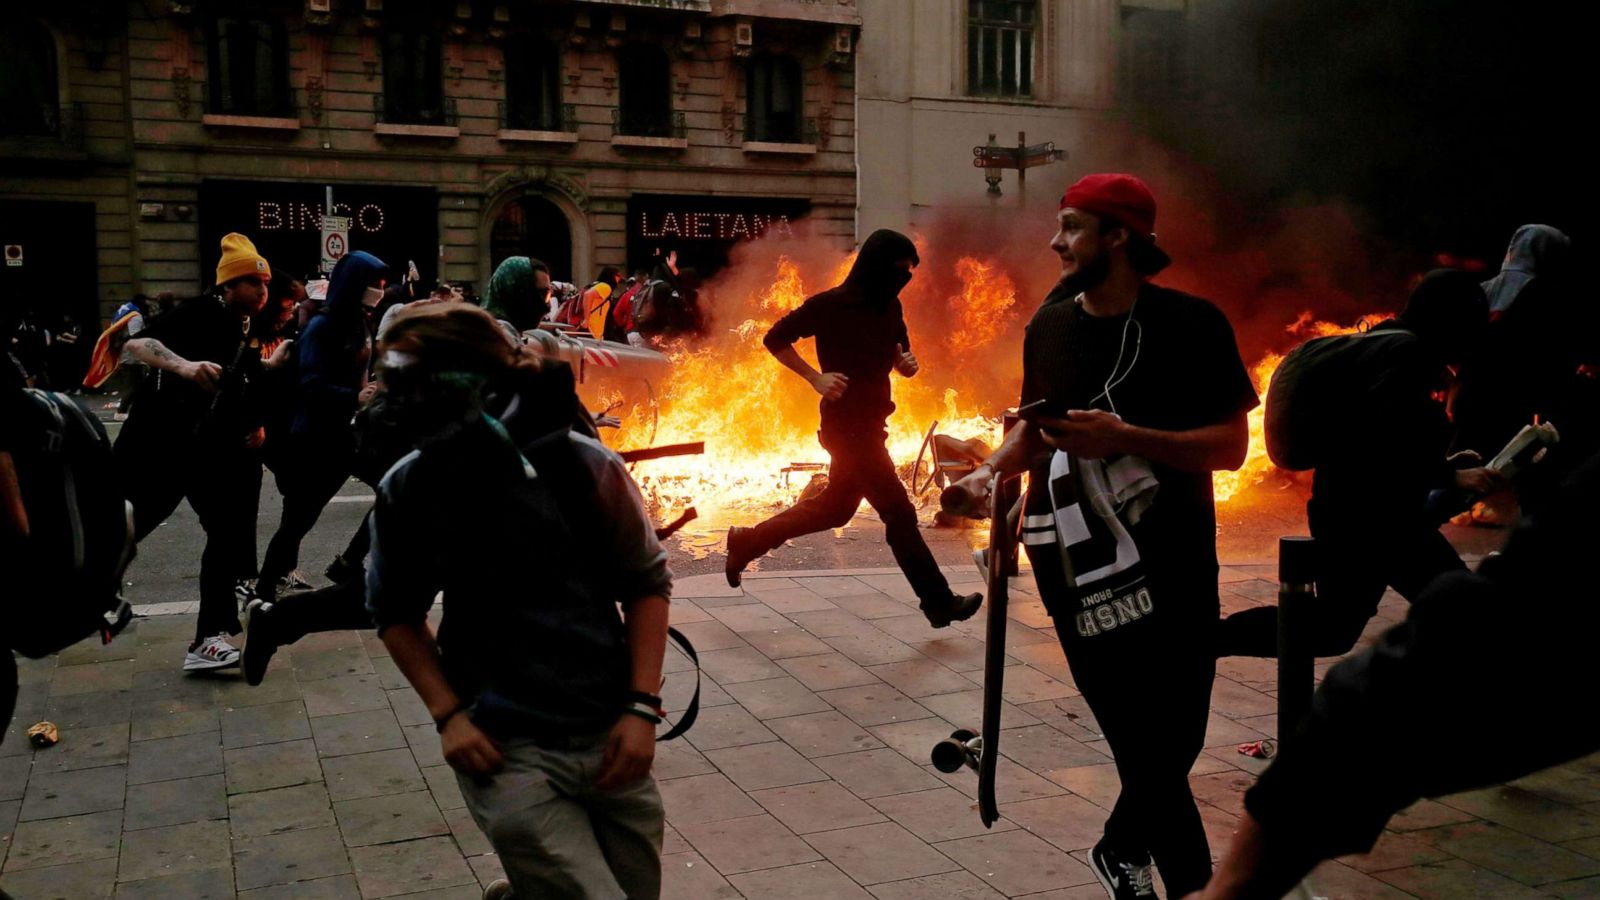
(335, 240)
(13, 255)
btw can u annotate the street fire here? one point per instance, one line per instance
(758, 421)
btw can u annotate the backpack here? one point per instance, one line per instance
(1312, 400)
(80, 529)
(577, 497)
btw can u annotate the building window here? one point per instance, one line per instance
(644, 104)
(533, 86)
(1000, 47)
(249, 67)
(413, 77)
(773, 100)
(30, 102)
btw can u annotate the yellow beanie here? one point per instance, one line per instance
(239, 258)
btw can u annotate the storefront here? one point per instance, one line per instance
(398, 225)
(704, 229)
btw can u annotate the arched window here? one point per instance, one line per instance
(413, 71)
(533, 226)
(774, 100)
(30, 102)
(533, 86)
(644, 104)
(248, 67)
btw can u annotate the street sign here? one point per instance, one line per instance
(335, 240)
(994, 157)
(13, 255)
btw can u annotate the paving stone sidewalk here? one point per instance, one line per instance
(807, 775)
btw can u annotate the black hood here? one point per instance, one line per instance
(874, 273)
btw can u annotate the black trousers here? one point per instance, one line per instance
(1151, 695)
(338, 607)
(221, 484)
(312, 473)
(861, 469)
(1362, 549)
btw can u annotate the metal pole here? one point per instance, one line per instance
(1296, 592)
(1022, 170)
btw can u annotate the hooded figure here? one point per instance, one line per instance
(861, 337)
(512, 296)
(334, 349)
(1534, 250)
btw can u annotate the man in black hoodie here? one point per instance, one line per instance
(861, 337)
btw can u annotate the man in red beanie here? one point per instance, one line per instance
(1140, 395)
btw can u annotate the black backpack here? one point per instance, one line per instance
(1315, 395)
(66, 575)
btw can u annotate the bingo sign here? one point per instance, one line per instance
(335, 240)
(290, 225)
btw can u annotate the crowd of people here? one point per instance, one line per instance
(485, 466)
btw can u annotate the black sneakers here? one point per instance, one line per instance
(1123, 876)
(958, 608)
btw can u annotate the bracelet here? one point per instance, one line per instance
(639, 709)
(442, 721)
(650, 700)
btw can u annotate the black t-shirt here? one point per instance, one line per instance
(856, 338)
(200, 330)
(1179, 370)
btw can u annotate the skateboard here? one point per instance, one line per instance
(980, 751)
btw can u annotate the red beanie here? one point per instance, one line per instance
(1122, 198)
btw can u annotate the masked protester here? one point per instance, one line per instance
(1369, 494)
(543, 690)
(519, 293)
(861, 338)
(192, 432)
(1143, 397)
(332, 363)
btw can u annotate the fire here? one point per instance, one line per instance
(757, 419)
(1227, 485)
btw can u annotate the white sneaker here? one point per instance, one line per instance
(212, 653)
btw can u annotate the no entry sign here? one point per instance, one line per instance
(335, 240)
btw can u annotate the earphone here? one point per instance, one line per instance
(1112, 380)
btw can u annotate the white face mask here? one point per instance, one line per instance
(372, 297)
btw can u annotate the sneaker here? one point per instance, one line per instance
(244, 590)
(1124, 878)
(261, 640)
(959, 608)
(739, 554)
(212, 653)
(499, 889)
(293, 581)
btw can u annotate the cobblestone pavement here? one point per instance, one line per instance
(806, 776)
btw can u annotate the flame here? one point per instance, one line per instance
(759, 421)
(1225, 486)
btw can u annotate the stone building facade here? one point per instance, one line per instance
(452, 133)
(936, 78)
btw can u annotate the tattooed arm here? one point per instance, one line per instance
(155, 354)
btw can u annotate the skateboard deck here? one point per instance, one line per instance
(981, 750)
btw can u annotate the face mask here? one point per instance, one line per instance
(372, 297)
(896, 280)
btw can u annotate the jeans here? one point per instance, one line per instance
(556, 835)
(313, 474)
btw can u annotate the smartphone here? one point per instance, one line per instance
(1031, 412)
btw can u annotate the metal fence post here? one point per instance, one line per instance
(1296, 591)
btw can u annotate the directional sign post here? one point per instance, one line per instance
(992, 158)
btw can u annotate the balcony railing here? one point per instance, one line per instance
(808, 134)
(441, 113)
(648, 126)
(522, 118)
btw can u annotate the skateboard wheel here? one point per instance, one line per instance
(963, 735)
(949, 755)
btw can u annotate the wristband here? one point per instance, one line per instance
(650, 700)
(442, 721)
(643, 712)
